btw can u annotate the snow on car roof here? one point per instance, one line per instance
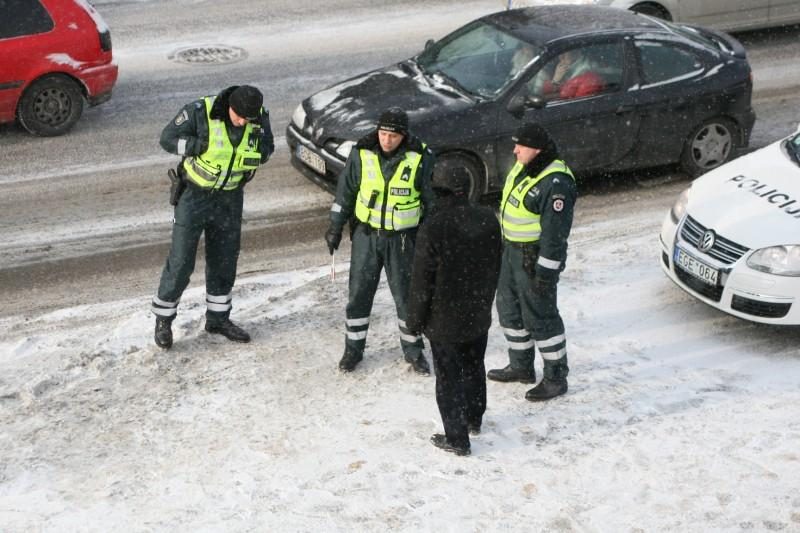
(541, 24)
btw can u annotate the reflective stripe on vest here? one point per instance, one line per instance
(519, 224)
(222, 166)
(393, 205)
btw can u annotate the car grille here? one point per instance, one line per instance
(757, 308)
(712, 292)
(724, 250)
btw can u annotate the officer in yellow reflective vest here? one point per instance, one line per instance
(223, 139)
(536, 214)
(384, 191)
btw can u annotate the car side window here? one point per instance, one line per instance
(665, 63)
(580, 72)
(23, 17)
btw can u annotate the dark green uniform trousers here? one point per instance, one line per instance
(530, 318)
(219, 215)
(371, 252)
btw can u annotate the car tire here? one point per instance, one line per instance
(653, 10)
(50, 106)
(477, 177)
(710, 145)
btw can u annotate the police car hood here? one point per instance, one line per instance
(753, 200)
(350, 109)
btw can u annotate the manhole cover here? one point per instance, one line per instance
(214, 54)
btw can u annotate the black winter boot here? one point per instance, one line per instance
(440, 441)
(229, 330)
(420, 365)
(349, 360)
(163, 333)
(547, 389)
(509, 373)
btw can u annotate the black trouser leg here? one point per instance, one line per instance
(365, 274)
(186, 231)
(398, 260)
(460, 386)
(223, 242)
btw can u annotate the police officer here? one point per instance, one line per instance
(385, 186)
(536, 213)
(223, 139)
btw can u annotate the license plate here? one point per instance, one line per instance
(695, 267)
(311, 159)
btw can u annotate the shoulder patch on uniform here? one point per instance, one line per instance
(182, 117)
(558, 205)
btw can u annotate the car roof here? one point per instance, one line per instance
(542, 24)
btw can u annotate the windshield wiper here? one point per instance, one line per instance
(453, 82)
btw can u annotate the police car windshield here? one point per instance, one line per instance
(793, 148)
(479, 59)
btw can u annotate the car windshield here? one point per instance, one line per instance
(479, 59)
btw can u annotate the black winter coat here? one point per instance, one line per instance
(456, 267)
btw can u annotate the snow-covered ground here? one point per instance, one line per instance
(678, 418)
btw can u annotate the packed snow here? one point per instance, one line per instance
(678, 418)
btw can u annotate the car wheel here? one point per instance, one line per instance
(653, 10)
(710, 145)
(476, 174)
(50, 106)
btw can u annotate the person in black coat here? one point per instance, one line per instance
(453, 282)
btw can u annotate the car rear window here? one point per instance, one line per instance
(23, 17)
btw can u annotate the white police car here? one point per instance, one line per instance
(732, 239)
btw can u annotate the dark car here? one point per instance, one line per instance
(55, 54)
(617, 90)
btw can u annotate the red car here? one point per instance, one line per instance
(55, 54)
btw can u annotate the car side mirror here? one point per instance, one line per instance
(429, 43)
(519, 103)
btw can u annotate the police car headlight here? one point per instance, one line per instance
(345, 148)
(679, 208)
(299, 117)
(778, 260)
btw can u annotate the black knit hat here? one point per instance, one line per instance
(532, 135)
(453, 179)
(395, 120)
(246, 102)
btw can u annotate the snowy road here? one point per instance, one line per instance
(82, 210)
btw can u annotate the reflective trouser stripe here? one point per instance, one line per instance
(518, 339)
(164, 308)
(552, 341)
(357, 328)
(554, 356)
(405, 333)
(554, 348)
(219, 303)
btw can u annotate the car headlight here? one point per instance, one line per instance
(778, 260)
(679, 208)
(299, 117)
(345, 148)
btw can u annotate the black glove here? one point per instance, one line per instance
(333, 237)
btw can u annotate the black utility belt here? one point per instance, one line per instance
(521, 245)
(369, 230)
(200, 188)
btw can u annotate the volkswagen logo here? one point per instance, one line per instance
(707, 241)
